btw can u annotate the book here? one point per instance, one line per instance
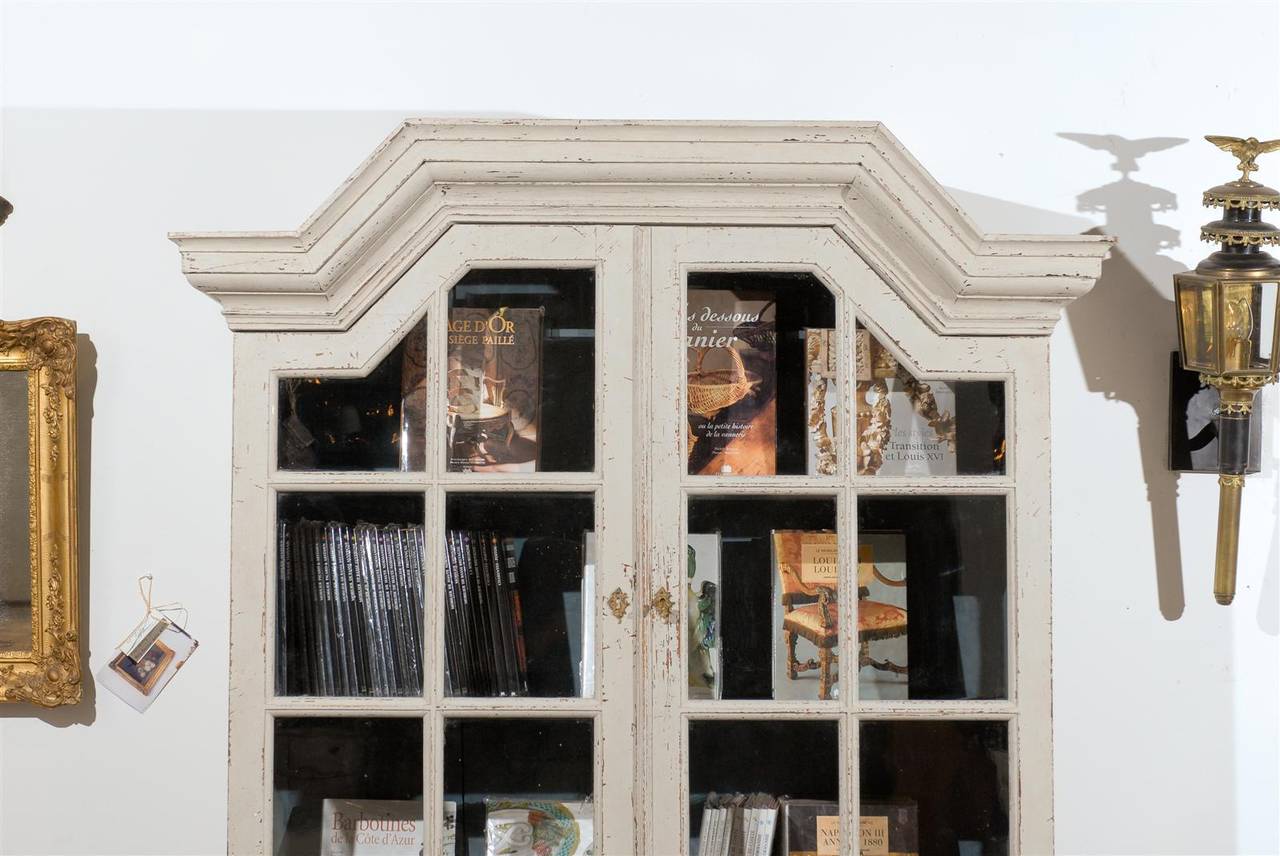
(810, 828)
(731, 383)
(449, 830)
(889, 829)
(737, 825)
(494, 389)
(822, 400)
(371, 828)
(413, 401)
(905, 427)
(802, 560)
(537, 827)
(703, 597)
(587, 653)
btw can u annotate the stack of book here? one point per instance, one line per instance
(484, 626)
(349, 609)
(738, 825)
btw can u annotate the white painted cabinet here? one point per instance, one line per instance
(645, 479)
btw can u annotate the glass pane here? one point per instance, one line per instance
(521, 377)
(909, 427)
(520, 594)
(366, 423)
(15, 519)
(338, 780)
(1195, 304)
(761, 598)
(943, 560)
(934, 788)
(761, 392)
(349, 594)
(523, 785)
(784, 768)
(1266, 311)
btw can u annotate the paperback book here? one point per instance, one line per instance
(731, 383)
(905, 427)
(810, 828)
(371, 828)
(703, 596)
(805, 564)
(494, 389)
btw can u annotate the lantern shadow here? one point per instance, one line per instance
(1125, 328)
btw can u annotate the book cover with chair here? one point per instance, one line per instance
(806, 624)
(806, 633)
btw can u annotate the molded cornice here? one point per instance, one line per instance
(854, 178)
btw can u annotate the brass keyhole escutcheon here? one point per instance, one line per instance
(662, 603)
(618, 604)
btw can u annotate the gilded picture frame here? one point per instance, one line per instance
(47, 670)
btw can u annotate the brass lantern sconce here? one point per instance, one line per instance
(1228, 327)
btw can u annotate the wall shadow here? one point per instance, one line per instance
(86, 711)
(1125, 328)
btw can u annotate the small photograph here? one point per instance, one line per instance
(142, 674)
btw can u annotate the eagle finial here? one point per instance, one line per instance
(1246, 149)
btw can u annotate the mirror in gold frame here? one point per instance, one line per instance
(39, 612)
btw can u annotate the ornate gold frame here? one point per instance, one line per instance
(49, 674)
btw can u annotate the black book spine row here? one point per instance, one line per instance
(484, 627)
(349, 609)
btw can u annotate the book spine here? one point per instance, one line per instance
(468, 650)
(408, 598)
(454, 642)
(488, 579)
(502, 596)
(282, 610)
(479, 617)
(333, 610)
(517, 615)
(349, 569)
(418, 549)
(303, 681)
(341, 611)
(373, 599)
(324, 634)
(393, 612)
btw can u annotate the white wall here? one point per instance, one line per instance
(123, 121)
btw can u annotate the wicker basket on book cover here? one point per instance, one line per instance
(712, 391)
(759, 334)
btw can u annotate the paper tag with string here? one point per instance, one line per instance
(154, 622)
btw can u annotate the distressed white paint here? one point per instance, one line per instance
(123, 120)
(408, 253)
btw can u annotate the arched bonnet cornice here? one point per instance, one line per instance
(854, 178)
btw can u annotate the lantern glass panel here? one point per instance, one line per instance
(1195, 317)
(1268, 294)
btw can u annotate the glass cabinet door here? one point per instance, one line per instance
(830, 559)
(450, 618)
